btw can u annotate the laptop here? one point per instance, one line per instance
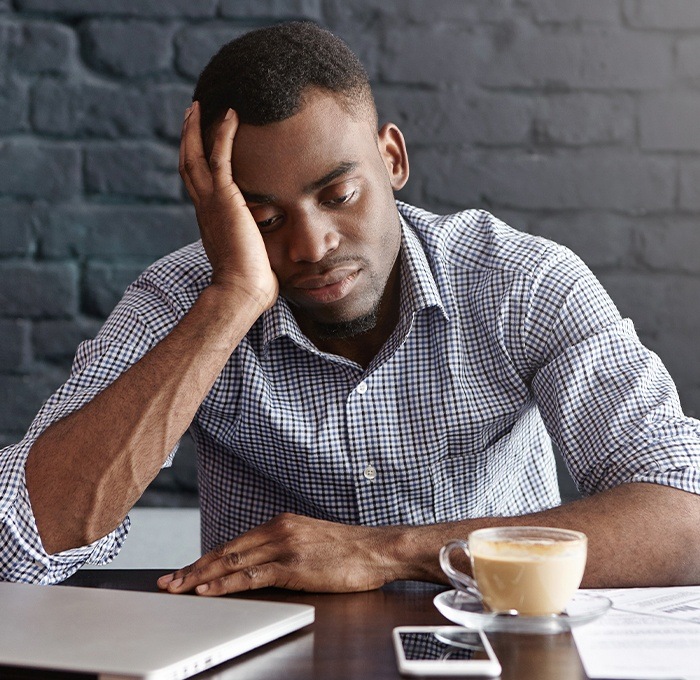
(118, 634)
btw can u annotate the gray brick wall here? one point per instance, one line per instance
(574, 119)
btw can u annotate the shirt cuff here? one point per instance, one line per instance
(25, 560)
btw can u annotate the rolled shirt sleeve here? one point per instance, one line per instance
(607, 401)
(122, 341)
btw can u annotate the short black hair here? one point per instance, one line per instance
(263, 74)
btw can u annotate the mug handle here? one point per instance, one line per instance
(458, 578)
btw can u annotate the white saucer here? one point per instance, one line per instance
(465, 610)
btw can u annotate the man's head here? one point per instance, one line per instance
(316, 174)
(264, 74)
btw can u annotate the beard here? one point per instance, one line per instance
(343, 330)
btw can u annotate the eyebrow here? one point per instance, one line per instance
(341, 169)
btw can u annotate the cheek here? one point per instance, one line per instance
(275, 252)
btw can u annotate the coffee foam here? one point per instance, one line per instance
(527, 548)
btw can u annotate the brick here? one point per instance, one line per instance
(56, 340)
(414, 11)
(15, 349)
(114, 232)
(14, 106)
(582, 119)
(105, 284)
(92, 110)
(669, 122)
(26, 394)
(621, 181)
(130, 48)
(656, 303)
(136, 8)
(678, 352)
(517, 54)
(681, 296)
(637, 296)
(689, 195)
(689, 58)
(361, 27)
(38, 289)
(8, 439)
(574, 11)
(37, 169)
(273, 9)
(622, 59)
(669, 14)
(604, 59)
(196, 45)
(455, 55)
(168, 102)
(600, 239)
(9, 39)
(452, 11)
(144, 170)
(690, 393)
(413, 193)
(54, 107)
(671, 244)
(429, 117)
(44, 47)
(18, 224)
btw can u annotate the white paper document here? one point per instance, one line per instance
(649, 634)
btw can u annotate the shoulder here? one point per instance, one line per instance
(180, 276)
(477, 241)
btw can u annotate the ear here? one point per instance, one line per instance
(392, 148)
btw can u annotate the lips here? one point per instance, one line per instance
(328, 287)
(323, 280)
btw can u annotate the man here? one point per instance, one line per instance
(364, 381)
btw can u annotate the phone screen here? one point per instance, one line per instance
(424, 646)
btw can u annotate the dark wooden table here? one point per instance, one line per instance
(351, 637)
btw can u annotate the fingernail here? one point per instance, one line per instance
(176, 583)
(165, 579)
(202, 589)
(229, 114)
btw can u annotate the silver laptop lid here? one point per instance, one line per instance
(126, 634)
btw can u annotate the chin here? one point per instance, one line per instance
(341, 330)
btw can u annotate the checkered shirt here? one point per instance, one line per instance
(504, 340)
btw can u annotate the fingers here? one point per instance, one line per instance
(193, 165)
(225, 570)
(249, 578)
(199, 175)
(222, 150)
(181, 164)
(289, 551)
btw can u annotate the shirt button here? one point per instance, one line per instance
(362, 388)
(370, 473)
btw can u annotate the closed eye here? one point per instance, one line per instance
(341, 199)
(266, 224)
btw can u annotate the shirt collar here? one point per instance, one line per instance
(418, 292)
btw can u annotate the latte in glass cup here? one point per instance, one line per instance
(533, 571)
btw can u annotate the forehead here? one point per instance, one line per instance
(300, 149)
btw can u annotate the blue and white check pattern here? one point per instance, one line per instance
(504, 340)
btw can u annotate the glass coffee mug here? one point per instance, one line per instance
(532, 571)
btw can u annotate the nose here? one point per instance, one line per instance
(311, 237)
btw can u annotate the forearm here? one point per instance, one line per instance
(639, 535)
(86, 471)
